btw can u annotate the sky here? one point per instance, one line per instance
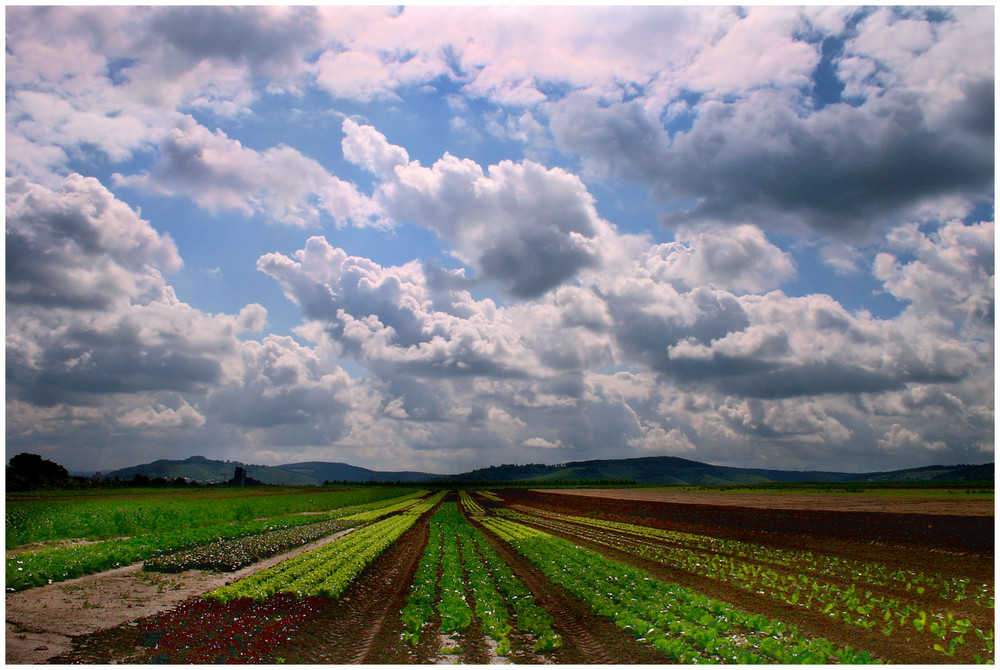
(438, 239)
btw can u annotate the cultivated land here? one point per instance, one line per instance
(498, 576)
(906, 501)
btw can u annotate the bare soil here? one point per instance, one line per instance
(936, 536)
(42, 621)
(887, 539)
(831, 502)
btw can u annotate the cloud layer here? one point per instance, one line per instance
(808, 284)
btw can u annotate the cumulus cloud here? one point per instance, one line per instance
(389, 316)
(770, 156)
(80, 247)
(160, 417)
(219, 173)
(88, 310)
(866, 133)
(950, 281)
(828, 351)
(739, 260)
(528, 227)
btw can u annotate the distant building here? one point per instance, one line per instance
(240, 478)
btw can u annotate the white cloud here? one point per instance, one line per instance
(739, 259)
(951, 279)
(528, 227)
(219, 173)
(159, 417)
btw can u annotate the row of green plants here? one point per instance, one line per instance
(232, 554)
(889, 613)
(100, 517)
(457, 566)
(490, 495)
(470, 505)
(686, 626)
(326, 571)
(48, 565)
(841, 568)
(372, 512)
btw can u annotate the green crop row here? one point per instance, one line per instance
(39, 567)
(375, 511)
(423, 592)
(684, 625)
(329, 569)
(470, 505)
(857, 606)
(128, 515)
(469, 567)
(492, 572)
(489, 495)
(231, 554)
(821, 565)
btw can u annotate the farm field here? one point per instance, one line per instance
(906, 501)
(516, 576)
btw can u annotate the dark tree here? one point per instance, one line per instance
(27, 472)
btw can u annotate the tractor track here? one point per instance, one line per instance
(587, 638)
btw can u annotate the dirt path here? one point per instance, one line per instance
(853, 502)
(41, 621)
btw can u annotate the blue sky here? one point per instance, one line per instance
(444, 238)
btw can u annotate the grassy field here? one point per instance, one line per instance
(103, 514)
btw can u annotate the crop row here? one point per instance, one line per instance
(231, 554)
(886, 612)
(125, 515)
(55, 564)
(328, 569)
(470, 505)
(489, 495)
(376, 510)
(684, 625)
(824, 565)
(459, 563)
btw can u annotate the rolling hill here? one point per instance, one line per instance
(659, 470)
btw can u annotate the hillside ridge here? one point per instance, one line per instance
(661, 470)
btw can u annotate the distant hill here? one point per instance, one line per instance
(670, 470)
(658, 470)
(321, 472)
(201, 469)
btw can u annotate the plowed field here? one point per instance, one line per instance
(756, 584)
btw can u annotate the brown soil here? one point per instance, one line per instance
(587, 638)
(845, 535)
(41, 621)
(924, 541)
(854, 502)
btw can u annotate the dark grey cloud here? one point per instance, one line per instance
(284, 384)
(79, 248)
(649, 321)
(841, 170)
(257, 36)
(89, 313)
(529, 228)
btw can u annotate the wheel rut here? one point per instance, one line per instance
(587, 638)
